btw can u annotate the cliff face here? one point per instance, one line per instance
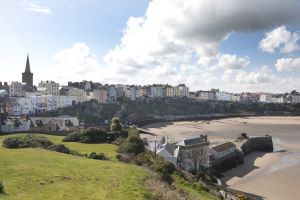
(184, 108)
(264, 144)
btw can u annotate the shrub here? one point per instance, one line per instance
(119, 141)
(72, 137)
(132, 145)
(144, 159)
(166, 178)
(123, 158)
(164, 167)
(93, 135)
(115, 125)
(133, 132)
(28, 141)
(100, 156)
(59, 148)
(90, 135)
(1, 187)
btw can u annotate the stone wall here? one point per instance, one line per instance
(228, 162)
(264, 143)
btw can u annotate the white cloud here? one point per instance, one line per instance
(262, 75)
(37, 8)
(280, 39)
(76, 63)
(288, 64)
(177, 41)
(229, 61)
(180, 32)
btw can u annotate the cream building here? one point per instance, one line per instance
(51, 88)
(182, 91)
(79, 95)
(100, 95)
(15, 89)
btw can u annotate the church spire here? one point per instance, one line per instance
(27, 76)
(27, 69)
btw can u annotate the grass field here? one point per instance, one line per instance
(38, 174)
(41, 174)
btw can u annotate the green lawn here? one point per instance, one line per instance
(41, 174)
(38, 174)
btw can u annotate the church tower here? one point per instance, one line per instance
(27, 76)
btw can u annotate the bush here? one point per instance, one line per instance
(1, 187)
(166, 178)
(28, 141)
(123, 158)
(59, 148)
(100, 156)
(116, 125)
(72, 137)
(133, 132)
(93, 135)
(119, 141)
(164, 167)
(144, 159)
(90, 136)
(132, 145)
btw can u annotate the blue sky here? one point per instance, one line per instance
(209, 44)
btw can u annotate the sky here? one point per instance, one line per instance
(233, 45)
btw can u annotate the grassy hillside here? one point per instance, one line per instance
(41, 174)
(34, 174)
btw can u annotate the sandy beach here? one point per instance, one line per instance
(274, 176)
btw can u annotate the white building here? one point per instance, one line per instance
(130, 92)
(223, 96)
(141, 92)
(63, 101)
(28, 105)
(13, 108)
(182, 91)
(156, 91)
(266, 98)
(235, 98)
(52, 88)
(222, 150)
(15, 89)
(187, 153)
(193, 151)
(112, 93)
(206, 95)
(295, 99)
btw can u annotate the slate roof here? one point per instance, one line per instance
(193, 141)
(224, 146)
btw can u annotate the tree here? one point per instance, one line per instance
(132, 145)
(115, 125)
(198, 157)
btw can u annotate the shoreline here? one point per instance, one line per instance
(262, 173)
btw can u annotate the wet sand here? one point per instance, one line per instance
(269, 175)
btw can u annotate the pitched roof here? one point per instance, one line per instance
(193, 141)
(223, 147)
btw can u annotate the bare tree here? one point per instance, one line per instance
(198, 157)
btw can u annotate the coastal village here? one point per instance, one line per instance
(24, 98)
(24, 101)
